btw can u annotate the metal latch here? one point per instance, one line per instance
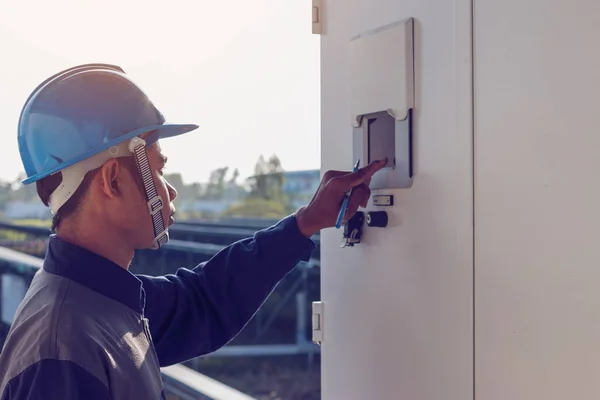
(353, 230)
(317, 18)
(317, 322)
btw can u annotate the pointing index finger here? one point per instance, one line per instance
(364, 174)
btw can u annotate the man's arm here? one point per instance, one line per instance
(52, 379)
(195, 312)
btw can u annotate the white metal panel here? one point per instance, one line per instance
(399, 305)
(537, 81)
(381, 71)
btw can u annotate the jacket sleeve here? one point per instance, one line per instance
(52, 379)
(195, 312)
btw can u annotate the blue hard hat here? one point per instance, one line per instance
(82, 111)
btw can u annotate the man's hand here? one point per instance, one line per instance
(323, 209)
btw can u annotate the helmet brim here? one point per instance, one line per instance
(168, 130)
(158, 132)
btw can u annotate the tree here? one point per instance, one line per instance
(266, 198)
(254, 207)
(268, 179)
(233, 190)
(215, 189)
(234, 177)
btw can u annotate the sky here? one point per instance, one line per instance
(246, 71)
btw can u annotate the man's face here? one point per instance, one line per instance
(135, 221)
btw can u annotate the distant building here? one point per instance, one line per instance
(301, 182)
(300, 186)
(205, 206)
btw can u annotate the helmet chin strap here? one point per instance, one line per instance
(155, 203)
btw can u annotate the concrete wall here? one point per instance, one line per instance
(398, 307)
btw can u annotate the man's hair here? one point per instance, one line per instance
(47, 185)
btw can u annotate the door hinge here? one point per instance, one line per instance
(317, 322)
(317, 17)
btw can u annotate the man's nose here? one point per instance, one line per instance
(172, 192)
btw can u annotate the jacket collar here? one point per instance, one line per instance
(95, 272)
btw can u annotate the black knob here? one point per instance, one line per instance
(377, 219)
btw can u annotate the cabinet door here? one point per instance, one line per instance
(398, 307)
(537, 183)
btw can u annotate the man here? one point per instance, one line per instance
(90, 329)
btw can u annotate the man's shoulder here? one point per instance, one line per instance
(50, 328)
(54, 310)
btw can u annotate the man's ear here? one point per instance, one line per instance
(110, 178)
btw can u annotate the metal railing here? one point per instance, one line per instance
(208, 233)
(187, 384)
